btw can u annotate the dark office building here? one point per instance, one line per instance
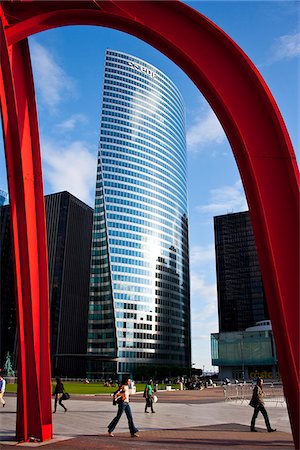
(241, 298)
(69, 228)
(7, 288)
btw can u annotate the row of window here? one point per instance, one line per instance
(115, 196)
(163, 81)
(117, 57)
(145, 167)
(151, 182)
(137, 209)
(125, 269)
(144, 118)
(143, 262)
(162, 132)
(117, 277)
(157, 97)
(133, 244)
(153, 179)
(151, 88)
(134, 325)
(133, 218)
(107, 135)
(162, 195)
(144, 355)
(126, 287)
(129, 261)
(146, 230)
(121, 98)
(115, 84)
(150, 346)
(134, 183)
(136, 105)
(148, 139)
(179, 339)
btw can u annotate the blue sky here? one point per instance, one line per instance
(68, 70)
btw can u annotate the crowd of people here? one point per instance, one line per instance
(121, 398)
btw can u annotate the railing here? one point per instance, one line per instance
(243, 393)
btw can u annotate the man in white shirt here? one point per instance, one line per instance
(2, 390)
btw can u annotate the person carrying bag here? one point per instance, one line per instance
(257, 403)
(121, 398)
(148, 394)
(59, 393)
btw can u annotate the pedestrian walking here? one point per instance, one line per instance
(2, 390)
(121, 398)
(59, 392)
(148, 394)
(257, 403)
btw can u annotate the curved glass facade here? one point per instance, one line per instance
(139, 287)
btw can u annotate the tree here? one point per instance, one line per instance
(8, 366)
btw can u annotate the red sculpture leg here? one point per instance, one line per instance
(34, 417)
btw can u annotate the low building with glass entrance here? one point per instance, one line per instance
(245, 355)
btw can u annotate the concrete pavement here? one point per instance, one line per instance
(183, 419)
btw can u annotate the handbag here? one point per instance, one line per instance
(118, 397)
(155, 398)
(65, 396)
(253, 402)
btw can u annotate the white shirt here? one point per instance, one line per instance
(3, 386)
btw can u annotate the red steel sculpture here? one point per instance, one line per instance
(253, 125)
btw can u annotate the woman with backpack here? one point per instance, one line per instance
(121, 398)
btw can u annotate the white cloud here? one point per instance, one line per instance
(207, 293)
(200, 254)
(52, 83)
(225, 199)
(206, 129)
(70, 167)
(204, 318)
(286, 47)
(72, 122)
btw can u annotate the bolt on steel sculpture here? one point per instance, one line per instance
(254, 128)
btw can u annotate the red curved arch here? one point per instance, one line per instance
(254, 127)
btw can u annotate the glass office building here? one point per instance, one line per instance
(139, 309)
(241, 297)
(69, 228)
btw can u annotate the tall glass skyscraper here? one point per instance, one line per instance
(139, 307)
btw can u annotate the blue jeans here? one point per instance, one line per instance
(121, 408)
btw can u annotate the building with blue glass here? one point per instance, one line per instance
(139, 310)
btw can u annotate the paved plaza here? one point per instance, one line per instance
(183, 420)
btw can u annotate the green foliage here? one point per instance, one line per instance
(158, 372)
(8, 366)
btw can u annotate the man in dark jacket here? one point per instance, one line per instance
(258, 404)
